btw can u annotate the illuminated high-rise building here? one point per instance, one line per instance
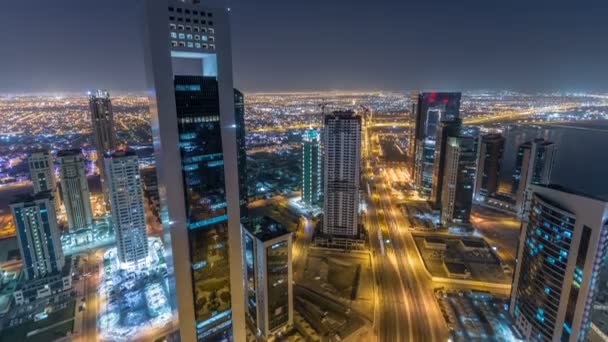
(311, 168)
(104, 132)
(342, 143)
(241, 153)
(489, 157)
(192, 104)
(268, 276)
(75, 189)
(431, 109)
(459, 177)
(127, 204)
(445, 129)
(43, 174)
(38, 235)
(533, 165)
(562, 247)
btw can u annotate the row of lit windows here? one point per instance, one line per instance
(190, 36)
(193, 12)
(192, 45)
(191, 28)
(194, 21)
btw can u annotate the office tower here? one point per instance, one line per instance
(533, 165)
(127, 203)
(38, 235)
(431, 109)
(268, 276)
(311, 167)
(241, 153)
(459, 177)
(489, 156)
(411, 135)
(342, 143)
(189, 71)
(43, 174)
(75, 189)
(104, 133)
(445, 129)
(562, 245)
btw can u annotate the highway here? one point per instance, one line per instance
(406, 308)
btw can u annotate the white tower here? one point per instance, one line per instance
(127, 203)
(342, 139)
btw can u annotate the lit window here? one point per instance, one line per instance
(197, 37)
(182, 36)
(189, 36)
(173, 35)
(204, 38)
(197, 45)
(190, 44)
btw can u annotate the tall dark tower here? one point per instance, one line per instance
(445, 129)
(489, 158)
(241, 153)
(104, 132)
(431, 109)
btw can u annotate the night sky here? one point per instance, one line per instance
(286, 45)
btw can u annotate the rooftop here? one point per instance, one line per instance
(265, 228)
(456, 267)
(70, 152)
(27, 198)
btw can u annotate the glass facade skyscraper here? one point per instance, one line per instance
(38, 235)
(459, 177)
(268, 276)
(562, 246)
(489, 158)
(195, 129)
(311, 168)
(533, 165)
(432, 108)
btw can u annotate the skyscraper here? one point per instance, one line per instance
(241, 153)
(127, 203)
(311, 167)
(43, 175)
(562, 245)
(533, 165)
(189, 71)
(445, 129)
(75, 189)
(489, 157)
(38, 235)
(431, 109)
(268, 276)
(104, 132)
(342, 143)
(459, 177)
